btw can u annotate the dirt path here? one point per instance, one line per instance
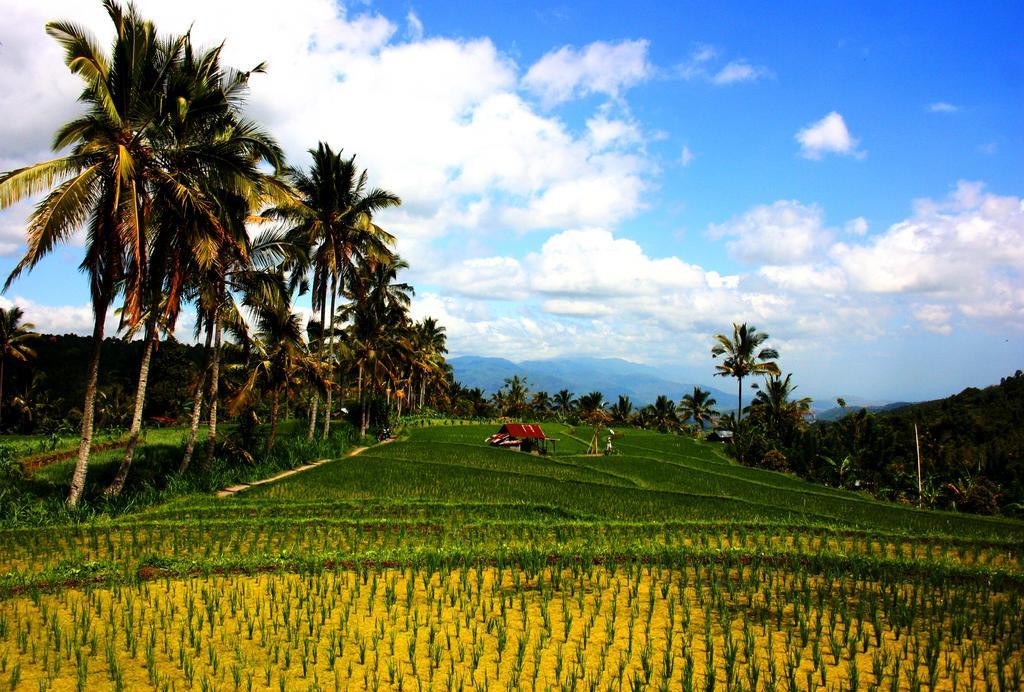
(235, 489)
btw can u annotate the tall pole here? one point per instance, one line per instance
(917, 443)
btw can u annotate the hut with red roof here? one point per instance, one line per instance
(524, 437)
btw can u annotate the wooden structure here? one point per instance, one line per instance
(524, 437)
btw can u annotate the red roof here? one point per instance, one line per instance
(523, 431)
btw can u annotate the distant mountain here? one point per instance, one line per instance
(835, 413)
(610, 376)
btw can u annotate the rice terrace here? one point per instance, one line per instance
(668, 359)
(435, 562)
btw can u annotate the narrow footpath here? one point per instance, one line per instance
(232, 490)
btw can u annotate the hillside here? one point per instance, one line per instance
(610, 376)
(437, 558)
(972, 448)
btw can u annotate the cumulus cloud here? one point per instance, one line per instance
(827, 136)
(956, 247)
(785, 232)
(942, 107)
(443, 122)
(598, 68)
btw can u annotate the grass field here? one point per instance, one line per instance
(437, 562)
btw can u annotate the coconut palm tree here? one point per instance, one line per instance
(589, 403)
(744, 357)
(540, 404)
(333, 216)
(664, 414)
(276, 352)
(102, 180)
(209, 156)
(622, 410)
(15, 337)
(564, 403)
(698, 407)
(773, 405)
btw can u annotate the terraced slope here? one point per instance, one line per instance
(437, 559)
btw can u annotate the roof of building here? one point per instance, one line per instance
(523, 431)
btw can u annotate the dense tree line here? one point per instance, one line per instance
(187, 204)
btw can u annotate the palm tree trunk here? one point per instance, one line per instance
(197, 405)
(739, 413)
(327, 407)
(117, 485)
(312, 418)
(211, 436)
(3, 361)
(88, 410)
(273, 420)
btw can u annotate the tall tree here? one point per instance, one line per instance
(333, 216)
(698, 406)
(622, 410)
(276, 353)
(15, 336)
(564, 403)
(206, 167)
(743, 357)
(102, 179)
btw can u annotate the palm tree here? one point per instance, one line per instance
(334, 218)
(15, 336)
(589, 403)
(511, 398)
(540, 404)
(209, 156)
(622, 410)
(664, 414)
(742, 357)
(246, 276)
(564, 403)
(102, 180)
(698, 407)
(773, 405)
(277, 351)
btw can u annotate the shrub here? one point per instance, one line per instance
(775, 460)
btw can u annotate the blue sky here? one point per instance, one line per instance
(628, 180)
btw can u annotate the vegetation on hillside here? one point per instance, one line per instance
(436, 561)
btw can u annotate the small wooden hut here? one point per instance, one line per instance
(523, 437)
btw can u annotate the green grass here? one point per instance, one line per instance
(656, 477)
(440, 490)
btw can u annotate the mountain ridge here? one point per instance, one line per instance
(611, 376)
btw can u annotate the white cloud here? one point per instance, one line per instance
(598, 68)
(440, 121)
(827, 136)
(612, 132)
(592, 262)
(414, 27)
(687, 156)
(739, 71)
(785, 232)
(934, 318)
(805, 278)
(942, 107)
(857, 226)
(698, 66)
(958, 248)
